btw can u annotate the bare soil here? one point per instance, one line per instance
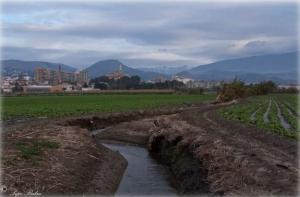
(211, 155)
(206, 153)
(79, 165)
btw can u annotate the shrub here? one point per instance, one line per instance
(230, 91)
(237, 89)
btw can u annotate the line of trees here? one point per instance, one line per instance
(238, 89)
(133, 82)
(103, 82)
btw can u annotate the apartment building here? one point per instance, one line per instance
(55, 77)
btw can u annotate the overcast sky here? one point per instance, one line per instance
(146, 34)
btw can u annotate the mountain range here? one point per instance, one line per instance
(281, 68)
(108, 66)
(10, 67)
(167, 70)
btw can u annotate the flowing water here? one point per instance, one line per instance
(143, 175)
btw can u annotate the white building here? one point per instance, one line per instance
(290, 86)
(37, 89)
(182, 79)
(202, 84)
(7, 84)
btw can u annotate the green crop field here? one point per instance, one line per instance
(277, 113)
(58, 106)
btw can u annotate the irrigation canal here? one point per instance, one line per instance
(143, 175)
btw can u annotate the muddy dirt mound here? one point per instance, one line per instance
(210, 155)
(135, 131)
(58, 160)
(104, 120)
(191, 176)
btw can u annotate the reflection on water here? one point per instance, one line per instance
(143, 176)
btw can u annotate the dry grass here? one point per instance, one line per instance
(236, 164)
(46, 161)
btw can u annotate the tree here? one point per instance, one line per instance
(101, 85)
(135, 81)
(264, 87)
(100, 79)
(124, 83)
(85, 85)
(17, 88)
(229, 91)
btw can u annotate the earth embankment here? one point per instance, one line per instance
(208, 154)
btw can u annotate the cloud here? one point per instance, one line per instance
(146, 33)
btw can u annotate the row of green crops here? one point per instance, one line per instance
(58, 106)
(290, 101)
(252, 112)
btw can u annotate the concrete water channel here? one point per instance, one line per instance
(143, 175)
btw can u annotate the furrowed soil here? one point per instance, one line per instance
(206, 154)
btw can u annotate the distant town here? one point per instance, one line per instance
(47, 80)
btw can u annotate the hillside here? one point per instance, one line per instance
(108, 66)
(10, 67)
(168, 70)
(281, 68)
